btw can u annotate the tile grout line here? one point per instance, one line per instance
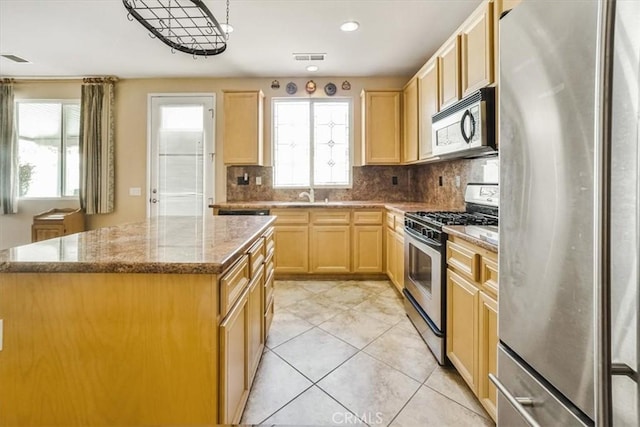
(458, 403)
(405, 405)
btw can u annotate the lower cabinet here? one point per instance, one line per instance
(256, 334)
(367, 249)
(462, 336)
(487, 351)
(330, 249)
(292, 248)
(395, 249)
(234, 355)
(472, 317)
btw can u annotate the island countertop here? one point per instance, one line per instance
(194, 245)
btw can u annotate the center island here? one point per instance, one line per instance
(159, 322)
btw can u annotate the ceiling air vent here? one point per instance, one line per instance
(15, 58)
(309, 56)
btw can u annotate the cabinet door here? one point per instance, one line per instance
(410, 122)
(330, 249)
(381, 127)
(477, 50)
(243, 128)
(255, 306)
(399, 260)
(43, 232)
(234, 382)
(462, 331)
(487, 349)
(429, 104)
(448, 78)
(292, 249)
(367, 249)
(390, 255)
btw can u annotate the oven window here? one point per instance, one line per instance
(420, 269)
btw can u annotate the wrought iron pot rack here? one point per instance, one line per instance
(184, 25)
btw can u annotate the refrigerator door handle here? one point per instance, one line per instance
(518, 403)
(624, 369)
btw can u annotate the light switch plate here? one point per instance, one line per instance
(135, 191)
(258, 180)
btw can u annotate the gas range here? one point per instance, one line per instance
(481, 210)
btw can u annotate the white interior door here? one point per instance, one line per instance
(181, 155)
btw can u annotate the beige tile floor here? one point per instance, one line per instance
(343, 352)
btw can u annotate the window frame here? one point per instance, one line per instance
(311, 101)
(62, 158)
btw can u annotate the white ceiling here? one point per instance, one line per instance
(74, 38)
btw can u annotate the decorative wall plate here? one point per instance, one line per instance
(291, 88)
(310, 87)
(275, 84)
(330, 89)
(346, 85)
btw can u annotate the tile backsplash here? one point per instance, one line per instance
(375, 183)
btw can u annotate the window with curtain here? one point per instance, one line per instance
(311, 143)
(48, 155)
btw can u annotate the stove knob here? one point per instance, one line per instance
(430, 234)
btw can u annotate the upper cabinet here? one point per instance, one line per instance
(428, 105)
(476, 50)
(449, 77)
(410, 122)
(243, 127)
(381, 127)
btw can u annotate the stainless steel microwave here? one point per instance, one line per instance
(466, 128)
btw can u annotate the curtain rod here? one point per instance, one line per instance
(59, 80)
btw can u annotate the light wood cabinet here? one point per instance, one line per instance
(476, 50)
(472, 316)
(395, 249)
(292, 248)
(255, 329)
(330, 249)
(487, 351)
(462, 335)
(428, 105)
(56, 223)
(410, 121)
(449, 72)
(234, 357)
(367, 249)
(243, 127)
(381, 127)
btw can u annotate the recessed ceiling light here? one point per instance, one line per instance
(349, 26)
(312, 68)
(226, 28)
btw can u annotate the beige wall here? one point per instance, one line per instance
(131, 133)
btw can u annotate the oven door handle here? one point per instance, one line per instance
(424, 239)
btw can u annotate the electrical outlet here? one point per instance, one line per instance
(440, 181)
(242, 181)
(457, 181)
(258, 180)
(394, 180)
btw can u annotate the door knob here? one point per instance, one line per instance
(154, 200)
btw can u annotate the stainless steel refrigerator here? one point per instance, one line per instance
(568, 263)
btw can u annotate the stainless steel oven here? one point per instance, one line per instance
(425, 261)
(423, 288)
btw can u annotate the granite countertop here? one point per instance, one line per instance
(484, 236)
(401, 207)
(192, 245)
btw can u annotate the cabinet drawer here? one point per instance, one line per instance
(233, 283)
(391, 220)
(268, 317)
(367, 217)
(269, 263)
(269, 241)
(291, 216)
(268, 290)
(330, 216)
(489, 276)
(256, 257)
(464, 260)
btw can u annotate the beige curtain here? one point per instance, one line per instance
(97, 146)
(8, 149)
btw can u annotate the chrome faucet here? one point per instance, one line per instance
(308, 194)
